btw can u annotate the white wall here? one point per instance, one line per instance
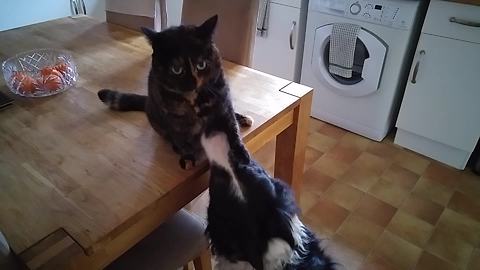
(174, 12)
(17, 13)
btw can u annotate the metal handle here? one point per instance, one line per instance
(263, 17)
(83, 7)
(417, 65)
(75, 6)
(464, 22)
(294, 23)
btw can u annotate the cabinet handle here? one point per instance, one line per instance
(417, 65)
(464, 22)
(294, 23)
(263, 17)
(75, 6)
(83, 7)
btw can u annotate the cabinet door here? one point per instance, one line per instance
(443, 102)
(274, 53)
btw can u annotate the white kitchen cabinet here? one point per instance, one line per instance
(440, 109)
(275, 52)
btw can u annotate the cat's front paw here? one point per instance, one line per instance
(187, 162)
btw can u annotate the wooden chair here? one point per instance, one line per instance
(173, 245)
(235, 31)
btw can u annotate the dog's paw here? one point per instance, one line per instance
(245, 121)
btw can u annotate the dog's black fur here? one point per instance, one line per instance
(240, 229)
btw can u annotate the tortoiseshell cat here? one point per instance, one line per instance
(186, 68)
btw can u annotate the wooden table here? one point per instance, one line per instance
(80, 184)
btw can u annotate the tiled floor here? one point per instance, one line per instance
(379, 206)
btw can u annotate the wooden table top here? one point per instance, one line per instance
(68, 162)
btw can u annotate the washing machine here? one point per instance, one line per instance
(367, 102)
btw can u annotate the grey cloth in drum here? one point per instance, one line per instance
(342, 48)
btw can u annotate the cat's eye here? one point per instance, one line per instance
(201, 65)
(177, 70)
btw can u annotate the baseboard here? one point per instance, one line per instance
(130, 21)
(441, 152)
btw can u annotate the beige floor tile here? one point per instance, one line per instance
(400, 176)
(321, 142)
(443, 174)
(461, 226)
(375, 210)
(311, 156)
(383, 150)
(440, 211)
(343, 153)
(347, 257)
(448, 246)
(389, 192)
(371, 162)
(331, 167)
(469, 184)
(410, 228)
(360, 178)
(315, 181)
(422, 208)
(332, 131)
(344, 195)
(315, 125)
(355, 141)
(412, 161)
(327, 216)
(397, 251)
(429, 261)
(308, 199)
(465, 205)
(433, 191)
(360, 233)
(376, 263)
(474, 263)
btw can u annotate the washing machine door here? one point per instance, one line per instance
(369, 57)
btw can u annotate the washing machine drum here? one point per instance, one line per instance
(367, 68)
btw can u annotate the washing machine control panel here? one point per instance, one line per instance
(380, 12)
(392, 13)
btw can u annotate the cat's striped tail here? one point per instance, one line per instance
(122, 101)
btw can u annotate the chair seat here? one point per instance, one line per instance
(172, 245)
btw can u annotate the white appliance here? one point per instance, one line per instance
(439, 113)
(279, 39)
(367, 102)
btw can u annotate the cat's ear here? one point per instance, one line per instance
(149, 33)
(207, 28)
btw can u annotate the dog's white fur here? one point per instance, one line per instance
(217, 149)
(279, 251)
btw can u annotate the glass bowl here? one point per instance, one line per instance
(40, 73)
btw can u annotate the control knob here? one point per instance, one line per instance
(355, 8)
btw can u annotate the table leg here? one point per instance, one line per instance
(203, 261)
(290, 146)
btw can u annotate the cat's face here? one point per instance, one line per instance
(184, 57)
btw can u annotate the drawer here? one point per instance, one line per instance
(439, 21)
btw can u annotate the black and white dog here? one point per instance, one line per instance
(252, 218)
